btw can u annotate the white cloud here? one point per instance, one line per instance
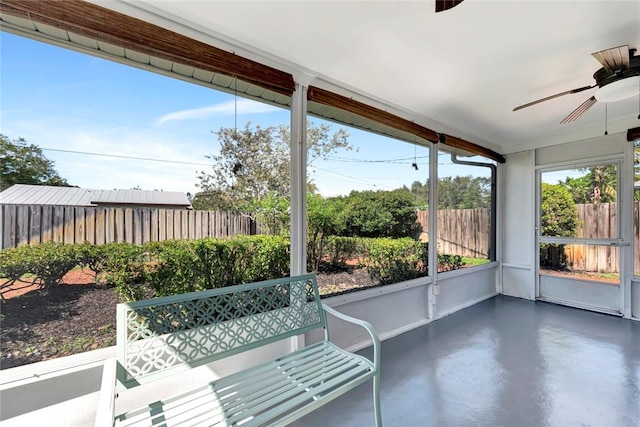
(243, 106)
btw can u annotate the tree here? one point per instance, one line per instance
(420, 193)
(379, 214)
(255, 162)
(559, 218)
(22, 163)
(599, 184)
(464, 192)
(272, 213)
(459, 192)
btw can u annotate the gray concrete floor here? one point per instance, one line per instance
(503, 362)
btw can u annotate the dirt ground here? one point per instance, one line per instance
(79, 315)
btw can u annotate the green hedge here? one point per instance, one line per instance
(47, 263)
(158, 268)
(180, 266)
(387, 260)
(341, 249)
(395, 260)
(194, 265)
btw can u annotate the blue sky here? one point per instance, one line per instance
(59, 99)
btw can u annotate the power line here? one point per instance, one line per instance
(351, 178)
(125, 157)
(355, 160)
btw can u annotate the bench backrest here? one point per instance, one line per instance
(159, 336)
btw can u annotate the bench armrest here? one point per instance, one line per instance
(105, 412)
(372, 332)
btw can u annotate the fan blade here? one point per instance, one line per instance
(557, 95)
(578, 112)
(442, 5)
(614, 57)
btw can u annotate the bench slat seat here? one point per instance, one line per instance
(166, 336)
(270, 394)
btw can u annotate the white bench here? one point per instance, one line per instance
(166, 336)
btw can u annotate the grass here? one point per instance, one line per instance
(467, 261)
(608, 276)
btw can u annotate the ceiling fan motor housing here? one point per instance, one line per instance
(603, 76)
(625, 86)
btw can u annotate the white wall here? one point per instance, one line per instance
(635, 299)
(398, 308)
(391, 310)
(604, 297)
(518, 222)
(601, 146)
(460, 289)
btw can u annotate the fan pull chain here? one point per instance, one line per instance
(606, 118)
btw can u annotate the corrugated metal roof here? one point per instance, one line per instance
(22, 194)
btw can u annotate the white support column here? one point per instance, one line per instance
(499, 216)
(298, 258)
(299, 181)
(433, 228)
(625, 221)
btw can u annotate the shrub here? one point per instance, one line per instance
(186, 266)
(14, 263)
(395, 260)
(270, 258)
(174, 267)
(125, 266)
(449, 262)
(380, 214)
(93, 257)
(559, 217)
(340, 249)
(49, 262)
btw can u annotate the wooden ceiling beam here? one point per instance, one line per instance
(98, 23)
(633, 134)
(331, 99)
(325, 97)
(462, 144)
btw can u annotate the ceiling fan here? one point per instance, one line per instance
(442, 5)
(618, 79)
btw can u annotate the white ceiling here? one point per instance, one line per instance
(461, 71)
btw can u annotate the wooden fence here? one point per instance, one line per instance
(600, 221)
(30, 224)
(463, 232)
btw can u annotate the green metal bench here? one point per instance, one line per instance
(166, 336)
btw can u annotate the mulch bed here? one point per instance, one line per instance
(79, 315)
